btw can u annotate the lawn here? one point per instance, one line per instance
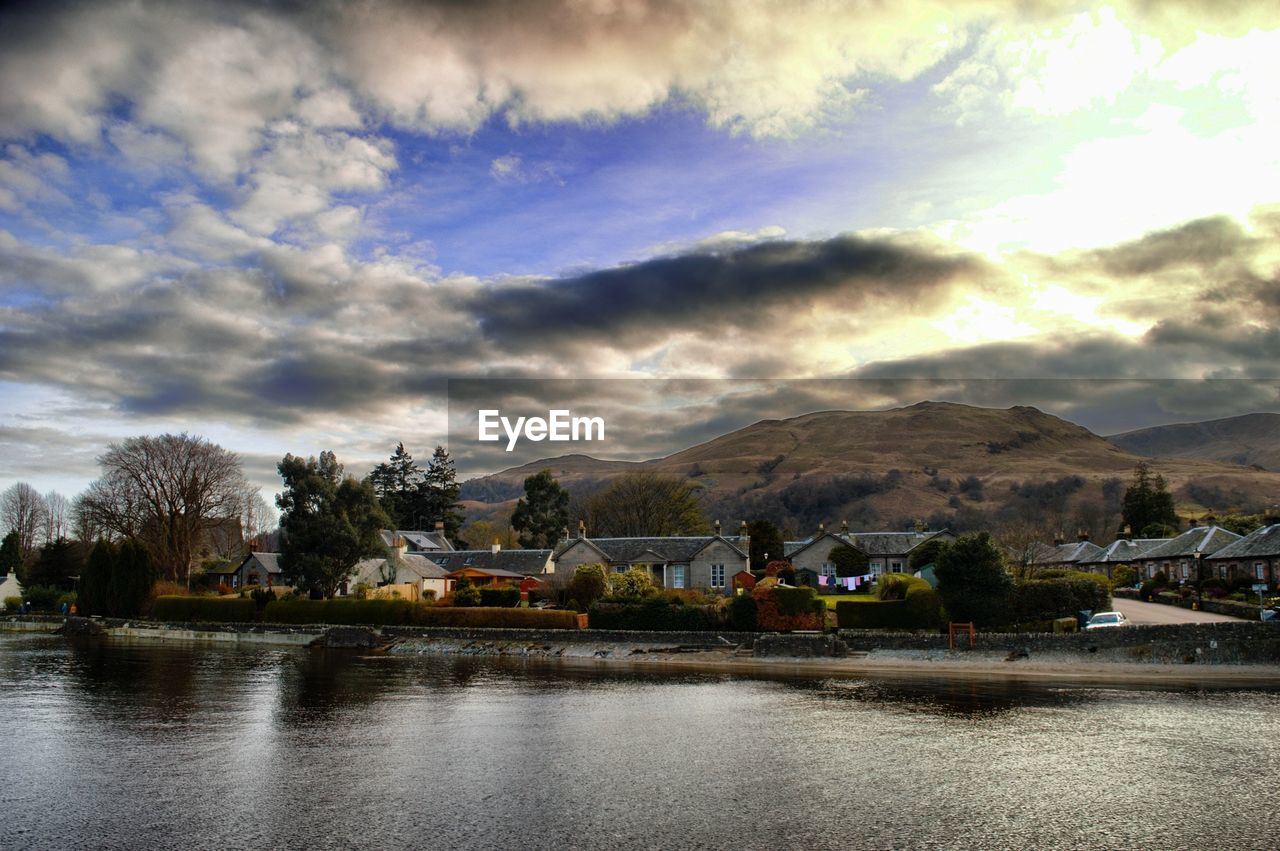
(832, 599)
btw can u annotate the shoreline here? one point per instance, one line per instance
(658, 653)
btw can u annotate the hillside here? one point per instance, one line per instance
(933, 460)
(1249, 439)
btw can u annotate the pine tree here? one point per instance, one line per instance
(10, 554)
(93, 597)
(398, 483)
(543, 513)
(438, 496)
(1147, 503)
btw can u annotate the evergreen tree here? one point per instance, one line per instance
(330, 522)
(926, 554)
(56, 564)
(10, 554)
(973, 582)
(766, 543)
(132, 578)
(398, 483)
(1147, 502)
(438, 496)
(93, 597)
(848, 560)
(543, 513)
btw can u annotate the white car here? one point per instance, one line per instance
(1105, 619)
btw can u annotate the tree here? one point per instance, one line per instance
(95, 580)
(636, 582)
(168, 493)
(926, 554)
(482, 534)
(22, 510)
(972, 580)
(848, 560)
(330, 522)
(55, 566)
(398, 483)
(1147, 501)
(132, 578)
(57, 516)
(646, 504)
(543, 513)
(438, 497)
(766, 541)
(589, 584)
(10, 554)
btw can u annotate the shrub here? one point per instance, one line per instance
(742, 613)
(784, 609)
(636, 582)
(204, 609)
(68, 598)
(653, 613)
(262, 596)
(466, 596)
(588, 584)
(43, 598)
(1083, 575)
(921, 609)
(1123, 575)
(1048, 599)
(12, 603)
(224, 589)
(500, 598)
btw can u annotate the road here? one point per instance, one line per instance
(1138, 612)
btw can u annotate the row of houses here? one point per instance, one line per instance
(1216, 551)
(428, 562)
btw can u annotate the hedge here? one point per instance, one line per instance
(504, 597)
(922, 609)
(1047, 599)
(656, 615)
(177, 609)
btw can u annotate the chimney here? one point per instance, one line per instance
(822, 528)
(564, 533)
(1082, 535)
(717, 530)
(920, 526)
(1211, 520)
(742, 530)
(399, 546)
(582, 528)
(1191, 523)
(496, 548)
(844, 527)
(1059, 539)
(1127, 534)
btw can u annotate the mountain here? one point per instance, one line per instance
(933, 460)
(1249, 439)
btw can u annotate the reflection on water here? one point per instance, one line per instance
(154, 746)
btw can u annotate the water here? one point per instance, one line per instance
(146, 746)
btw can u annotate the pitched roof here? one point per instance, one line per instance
(417, 540)
(871, 543)
(672, 550)
(521, 562)
(1204, 539)
(488, 571)
(1260, 543)
(1076, 552)
(270, 561)
(1125, 550)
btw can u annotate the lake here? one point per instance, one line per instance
(147, 746)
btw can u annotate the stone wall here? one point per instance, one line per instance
(1212, 643)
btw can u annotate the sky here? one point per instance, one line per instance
(287, 227)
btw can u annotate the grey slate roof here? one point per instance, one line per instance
(1260, 543)
(424, 566)
(1075, 552)
(1121, 551)
(270, 561)
(1205, 539)
(417, 540)
(673, 550)
(516, 562)
(871, 543)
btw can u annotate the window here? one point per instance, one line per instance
(1259, 570)
(827, 569)
(620, 568)
(677, 576)
(442, 561)
(470, 560)
(1182, 565)
(717, 576)
(876, 568)
(896, 567)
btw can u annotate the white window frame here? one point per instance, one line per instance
(1260, 570)
(679, 575)
(717, 575)
(827, 569)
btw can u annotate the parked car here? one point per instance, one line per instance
(1106, 619)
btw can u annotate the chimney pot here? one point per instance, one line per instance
(496, 547)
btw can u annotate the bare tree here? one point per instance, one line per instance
(1023, 540)
(645, 504)
(257, 518)
(169, 493)
(57, 517)
(23, 510)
